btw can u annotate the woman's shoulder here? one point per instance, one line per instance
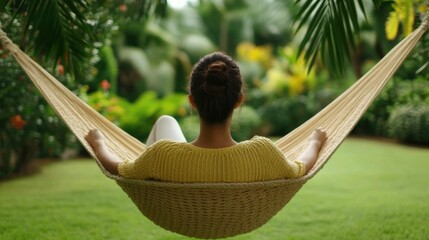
(166, 143)
(263, 145)
(259, 140)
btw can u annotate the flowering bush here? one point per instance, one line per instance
(142, 114)
(29, 128)
(103, 101)
(289, 75)
(282, 89)
(28, 125)
(248, 52)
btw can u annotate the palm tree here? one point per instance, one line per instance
(332, 30)
(66, 30)
(66, 33)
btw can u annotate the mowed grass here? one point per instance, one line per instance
(368, 190)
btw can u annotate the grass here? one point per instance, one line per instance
(368, 190)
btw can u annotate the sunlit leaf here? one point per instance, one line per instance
(332, 28)
(392, 25)
(409, 18)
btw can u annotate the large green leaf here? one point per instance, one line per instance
(65, 30)
(58, 29)
(332, 28)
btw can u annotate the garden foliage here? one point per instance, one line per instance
(29, 127)
(410, 123)
(133, 70)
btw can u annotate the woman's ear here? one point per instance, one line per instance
(239, 101)
(192, 101)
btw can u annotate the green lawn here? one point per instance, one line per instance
(368, 190)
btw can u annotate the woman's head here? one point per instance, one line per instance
(216, 87)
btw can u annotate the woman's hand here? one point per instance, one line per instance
(95, 138)
(315, 142)
(98, 143)
(318, 136)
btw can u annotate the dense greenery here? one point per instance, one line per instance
(132, 65)
(410, 123)
(380, 190)
(408, 95)
(77, 56)
(29, 127)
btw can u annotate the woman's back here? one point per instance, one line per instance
(215, 90)
(248, 161)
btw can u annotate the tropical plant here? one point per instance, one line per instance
(410, 123)
(404, 14)
(230, 22)
(28, 127)
(66, 37)
(399, 92)
(332, 29)
(142, 114)
(69, 30)
(103, 101)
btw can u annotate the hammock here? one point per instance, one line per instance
(216, 210)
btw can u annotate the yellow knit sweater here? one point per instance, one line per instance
(257, 159)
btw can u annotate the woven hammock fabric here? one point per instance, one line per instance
(215, 210)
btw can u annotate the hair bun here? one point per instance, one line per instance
(215, 79)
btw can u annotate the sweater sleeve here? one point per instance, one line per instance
(285, 167)
(131, 168)
(147, 165)
(125, 168)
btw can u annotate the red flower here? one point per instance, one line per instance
(105, 84)
(17, 122)
(123, 7)
(60, 69)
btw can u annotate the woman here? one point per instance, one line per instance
(215, 90)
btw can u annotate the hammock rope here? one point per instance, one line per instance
(215, 210)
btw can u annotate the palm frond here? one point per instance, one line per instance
(57, 29)
(61, 30)
(332, 28)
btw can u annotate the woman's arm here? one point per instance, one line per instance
(98, 143)
(310, 154)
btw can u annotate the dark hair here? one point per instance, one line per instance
(216, 86)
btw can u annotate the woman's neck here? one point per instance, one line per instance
(215, 135)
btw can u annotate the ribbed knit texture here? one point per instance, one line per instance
(257, 159)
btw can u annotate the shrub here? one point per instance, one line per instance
(285, 114)
(245, 122)
(410, 123)
(190, 127)
(398, 92)
(103, 101)
(29, 127)
(140, 116)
